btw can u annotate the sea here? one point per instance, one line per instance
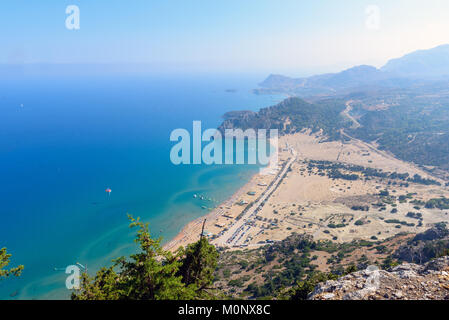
(64, 140)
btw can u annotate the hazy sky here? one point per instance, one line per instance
(288, 36)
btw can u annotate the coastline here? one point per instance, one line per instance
(192, 230)
(226, 213)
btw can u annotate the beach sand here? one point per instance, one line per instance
(307, 202)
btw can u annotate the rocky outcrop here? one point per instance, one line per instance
(404, 282)
(425, 246)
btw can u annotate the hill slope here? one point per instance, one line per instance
(422, 63)
(289, 116)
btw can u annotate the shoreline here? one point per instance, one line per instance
(229, 209)
(183, 236)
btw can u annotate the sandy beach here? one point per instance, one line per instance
(294, 198)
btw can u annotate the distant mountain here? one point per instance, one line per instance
(329, 83)
(413, 68)
(354, 77)
(431, 63)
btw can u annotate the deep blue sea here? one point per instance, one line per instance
(64, 140)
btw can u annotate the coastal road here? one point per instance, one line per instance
(235, 234)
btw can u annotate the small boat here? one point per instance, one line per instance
(195, 195)
(80, 265)
(108, 190)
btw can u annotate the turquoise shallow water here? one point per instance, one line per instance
(63, 141)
